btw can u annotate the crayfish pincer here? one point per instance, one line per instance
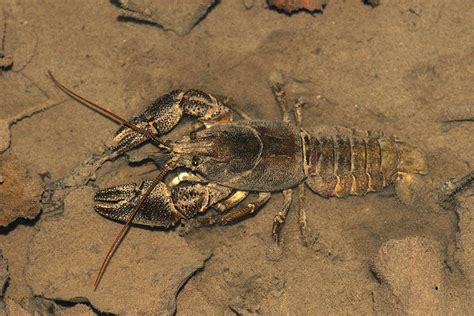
(224, 161)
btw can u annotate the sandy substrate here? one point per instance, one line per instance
(403, 67)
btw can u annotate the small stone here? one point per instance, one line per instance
(20, 194)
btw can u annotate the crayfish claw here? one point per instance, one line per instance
(157, 210)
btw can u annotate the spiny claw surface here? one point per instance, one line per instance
(157, 210)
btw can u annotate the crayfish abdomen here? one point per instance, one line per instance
(344, 162)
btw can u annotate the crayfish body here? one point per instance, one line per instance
(227, 160)
(221, 163)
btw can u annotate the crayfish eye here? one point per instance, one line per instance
(195, 161)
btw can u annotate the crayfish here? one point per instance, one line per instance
(224, 161)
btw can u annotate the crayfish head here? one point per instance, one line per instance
(220, 152)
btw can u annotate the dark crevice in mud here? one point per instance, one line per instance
(234, 310)
(45, 177)
(373, 273)
(299, 10)
(459, 208)
(136, 20)
(65, 304)
(143, 20)
(115, 3)
(459, 120)
(315, 12)
(49, 204)
(30, 222)
(5, 66)
(372, 3)
(449, 267)
(6, 61)
(5, 288)
(188, 278)
(204, 16)
(132, 19)
(7, 282)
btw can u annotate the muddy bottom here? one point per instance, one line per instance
(405, 68)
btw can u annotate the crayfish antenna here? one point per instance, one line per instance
(114, 116)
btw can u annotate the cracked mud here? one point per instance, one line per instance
(405, 68)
